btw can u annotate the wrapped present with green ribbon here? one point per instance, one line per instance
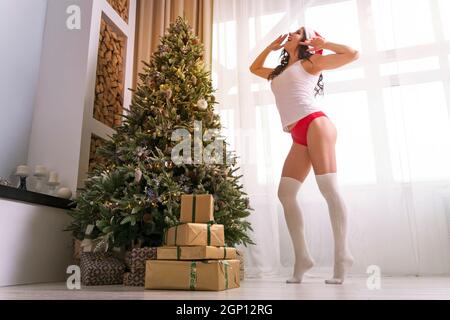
(240, 257)
(195, 234)
(195, 253)
(197, 208)
(214, 275)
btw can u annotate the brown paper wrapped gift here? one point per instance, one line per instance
(195, 234)
(213, 275)
(195, 253)
(240, 257)
(197, 208)
(76, 250)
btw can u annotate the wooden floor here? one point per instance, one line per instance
(258, 289)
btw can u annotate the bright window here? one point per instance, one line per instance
(418, 127)
(224, 49)
(444, 9)
(414, 65)
(402, 23)
(343, 74)
(337, 22)
(406, 25)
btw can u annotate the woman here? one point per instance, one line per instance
(293, 83)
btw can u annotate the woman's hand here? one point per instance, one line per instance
(317, 43)
(276, 45)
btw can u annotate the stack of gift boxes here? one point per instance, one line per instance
(194, 256)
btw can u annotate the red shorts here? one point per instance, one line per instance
(299, 131)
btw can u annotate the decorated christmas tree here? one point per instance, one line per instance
(168, 144)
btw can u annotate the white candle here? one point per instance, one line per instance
(41, 170)
(22, 170)
(53, 177)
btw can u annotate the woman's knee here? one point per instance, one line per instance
(288, 188)
(328, 184)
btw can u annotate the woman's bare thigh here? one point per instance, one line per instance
(321, 138)
(297, 164)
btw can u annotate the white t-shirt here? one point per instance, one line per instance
(294, 94)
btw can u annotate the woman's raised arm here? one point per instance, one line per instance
(257, 66)
(342, 56)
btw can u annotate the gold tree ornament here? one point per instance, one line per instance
(202, 104)
(199, 66)
(180, 74)
(168, 164)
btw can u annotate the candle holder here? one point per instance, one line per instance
(23, 183)
(40, 179)
(22, 172)
(4, 182)
(52, 187)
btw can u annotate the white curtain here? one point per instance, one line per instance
(391, 110)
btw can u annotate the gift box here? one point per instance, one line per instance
(136, 257)
(197, 208)
(215, 275)
(76, 250)
(195, 234)
(195, 253)
(134, 279)
(240, 257)
(98, 268)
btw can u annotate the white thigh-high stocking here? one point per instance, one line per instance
(287, 193)
(343, 259)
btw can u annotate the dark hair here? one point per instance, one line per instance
(303, 53)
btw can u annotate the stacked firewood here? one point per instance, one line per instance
(109, 85)
(95, 159)
(121, 6)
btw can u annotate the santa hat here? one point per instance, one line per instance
(310, 33)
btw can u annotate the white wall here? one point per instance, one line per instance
(57, 124)
(21, 32)
(33, 247)
(63, 115)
